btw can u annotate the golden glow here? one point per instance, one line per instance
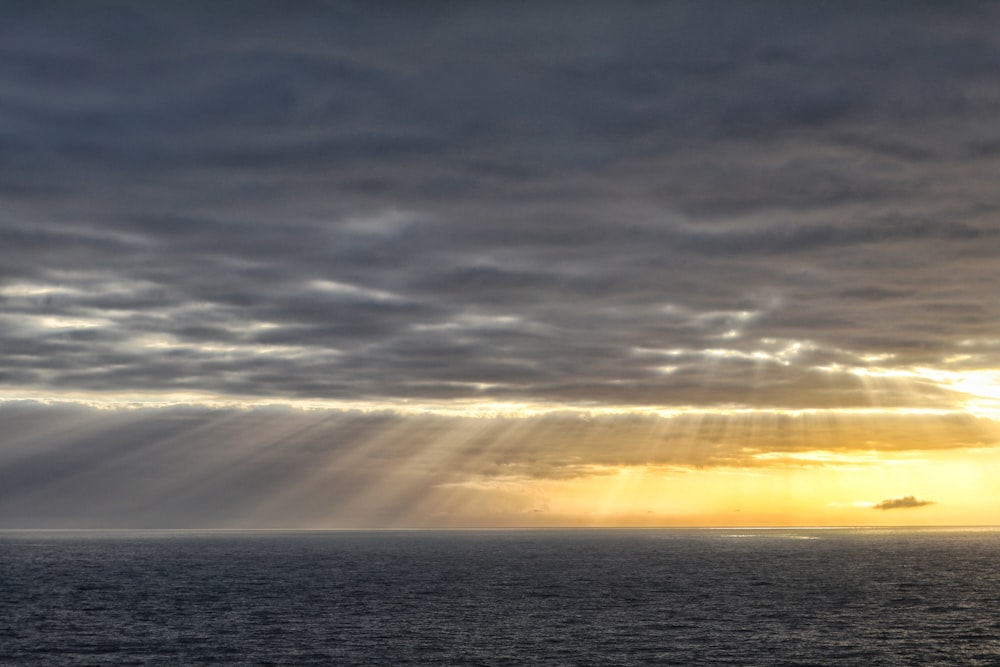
(976, 390)
(492, 463)
(959, 486)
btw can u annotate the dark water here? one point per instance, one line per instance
(658, 597)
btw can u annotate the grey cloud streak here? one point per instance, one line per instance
(564, 203)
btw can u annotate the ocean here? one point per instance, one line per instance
(505, 597)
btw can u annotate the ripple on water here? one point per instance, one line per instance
(502, 598)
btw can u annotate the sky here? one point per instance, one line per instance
(369, 265)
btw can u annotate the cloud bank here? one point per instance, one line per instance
(629, 204)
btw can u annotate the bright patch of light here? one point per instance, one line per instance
(726, 353)
(165, 342)
(34, 289)
(822, 457)
(346, 289)
(781, 351)
(83, 283)
(473, 322)
(877, 357)
(886, 372)
(708, 317)
(56, 322)
(468, 408)
(979, 342)
(981, 387)
(260, 326)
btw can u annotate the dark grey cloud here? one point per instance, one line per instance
(906, 502)
(573, 203)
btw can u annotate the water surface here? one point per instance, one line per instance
(563, 597)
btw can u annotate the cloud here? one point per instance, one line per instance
(66, 465)
(906, 502)
(508, 206)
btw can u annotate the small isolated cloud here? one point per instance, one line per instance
(901, 503)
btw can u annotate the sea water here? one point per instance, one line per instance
(538, 597)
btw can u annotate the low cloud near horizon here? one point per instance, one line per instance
(906, 502)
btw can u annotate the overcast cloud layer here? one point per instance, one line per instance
(620, 204)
